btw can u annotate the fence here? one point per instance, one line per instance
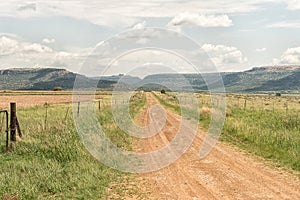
(288, 105)
(14, 127)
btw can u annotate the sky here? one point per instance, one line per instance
(235, 34)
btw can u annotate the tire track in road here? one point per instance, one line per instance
(226, 173)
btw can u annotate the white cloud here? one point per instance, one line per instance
(9, 35)
(290, 56)
(36, 48)
(225, 56)
(10, 46)
(149, 61)
(125, 13)
(14, 53)
(7, 46)
(48, 41)
(144, 38)
(27, 7)
(140, 25)
(285, 24)
(192, 19)
(261, 49)
(141, 36)
(293, 4)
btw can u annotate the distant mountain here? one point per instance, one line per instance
(286, 78)
(259, 79)
(45, 79)
(264, 79)
(126, 79)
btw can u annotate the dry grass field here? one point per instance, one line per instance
(38, 98)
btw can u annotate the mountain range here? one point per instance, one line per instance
(257, 80)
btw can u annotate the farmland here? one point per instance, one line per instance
(39, 98)
(51, 162)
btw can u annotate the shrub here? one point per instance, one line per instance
(163, 91)
(57, 89)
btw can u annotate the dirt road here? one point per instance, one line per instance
(227, 173)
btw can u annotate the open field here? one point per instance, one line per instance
(39, 98)
(43, 92)
(51, 162)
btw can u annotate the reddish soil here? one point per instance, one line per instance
(35, 100)
(226, 173)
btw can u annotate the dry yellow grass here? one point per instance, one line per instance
(205, 110)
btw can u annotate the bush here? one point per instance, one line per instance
(57, 89)
(163, 91)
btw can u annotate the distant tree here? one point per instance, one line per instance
(278, 94)
(57, 89)
(163, 91)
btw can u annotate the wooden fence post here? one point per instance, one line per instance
(6, 113)
(78, 109)
(46, 116)
(13, 122)
(67, 114)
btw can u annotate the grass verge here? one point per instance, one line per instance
(271, 135)
(52, 163)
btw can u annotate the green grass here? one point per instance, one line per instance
(268, 126)
(264, 128)
(51, 162)
(173, 104)
(137, 103)
(272, 135)
(168, 103)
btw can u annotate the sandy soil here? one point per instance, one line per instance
(227, 173)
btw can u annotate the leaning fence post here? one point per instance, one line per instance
(13, 121)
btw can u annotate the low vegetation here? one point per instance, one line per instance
(52, 163)
(137, 102)
(265, 125)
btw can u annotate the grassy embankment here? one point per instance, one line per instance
(268, 127)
